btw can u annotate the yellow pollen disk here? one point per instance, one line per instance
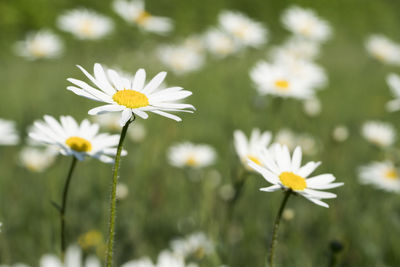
(254, 159)
(282, 85)
(143, 17)
(191, 161)
(131, 99)
(293, 181)
(79, 144)
(391, 174)
(87, 27)
(37, 50)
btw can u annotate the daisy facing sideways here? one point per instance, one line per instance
(285, 172)
(383, 49)
(8, 133)
(131, 97)
(75, 140)
(393, 80)
(383, 175)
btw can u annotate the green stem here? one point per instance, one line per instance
(63, 208)
(113, 200)
(276, 227)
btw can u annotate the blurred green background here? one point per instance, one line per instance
(162, 204)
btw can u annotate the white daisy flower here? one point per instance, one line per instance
(191, 155)
(165, 259)
(75, 140)
(220, 43)
(195, 245)
(8, 133)
(85, 24)
(312, 106)
(131, 97)
(194, 42)
(340, 133)
(134, 12)
(305, 23)
(108, 121)
(273, 79)
(383, 175)
(41, 44)
(144, 262)
(393, 80)
(250, 148)
(379, 133)
(36, 159)
(295, 48)
(285, 172)
(245, 30)
(73, 258)
(383, 49)
(122, 191)
(181, 59)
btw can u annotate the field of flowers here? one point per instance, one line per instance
(251, 133)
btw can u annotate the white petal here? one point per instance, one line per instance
(105, 109)
(126, 115)
(154, 83)
(168, 115)
(319, 194)
(139, 79)
(271, 188)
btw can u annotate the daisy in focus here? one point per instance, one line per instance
(383, 175)
(75, 140)
(8, 133)
(191, 155)
(383, 49)
(285, 172)
(38, 45)
(37, 159)
(85, 24)
(305, 23)
(393, 80)
(249, 149)
(73, 258)
(243, 29)
(134, 12)
(379, 133)
(131, 97)
(181, 59)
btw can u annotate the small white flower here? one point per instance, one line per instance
(36, 159)
(196, 244)
(191, 155)
(144, 262)
(41, 44)
(393, 80)
(340, 133)
(134, 12)
(85, 24)
(285, 172)
(245, 30)
(287, 138)
(305, 23)
(181, 59)
(75, 140)
(383, 175)
(137, 132)
(8, 133)
(108, 121)
(312, 107)
(383, 49)
(122, 191)
(295, 48)
(379, 133)
(220, 43)
(73, 258)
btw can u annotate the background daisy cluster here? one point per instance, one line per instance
(343, 114)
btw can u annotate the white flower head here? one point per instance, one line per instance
(134, 12)
(285, 172)
(196, 244)
(250, 148)
(383, 49)
(383, 175)
(75, 140)
(295, 48)
(379, 133)
(393, 80)
(305, 23)
(85, 24)
(8, 133)
(312, 106)
(219, 43)
(143, 262)
(181, 59)
(122, 191)
(131, 97)
(287, 138)
(41, 44)
(245, 30)
(340, 133)
(37, 159)
(73, 258)
(191, 155)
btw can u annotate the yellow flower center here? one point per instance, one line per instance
(191, 161)
(79, 144)
(87, 28)
(293, 181)
(131, 99)
(254, 159)
(391, 174)
(90, 239)
(282, 85)
(241, 31)
(143, 17)
(37, 49)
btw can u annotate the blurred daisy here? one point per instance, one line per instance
(37, 159)
(286, 137)
(16, 265)
(305, 23)
(90, 239)
(75, 140)
(41, 44)
(295, 48)
(195, 245)
(250, 148)
(383, 175)
(191, 155)
(85, 24)
(108, 121)
(285, 172)
(219, 43)
(122, 191)
(131, 97)
(134, 12)
(312, 107)
(393, 80)
(8, 133)
(383, 49)
(73, 258)
(340, 133)
(137, 133)
(165, 259)
(181, 59)
(246, 31)
(143, 262)
(379, 133)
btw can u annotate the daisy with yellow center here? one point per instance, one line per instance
(131, 97)
(40, 45)
(383, 49)
(383, 175)
(191, 155)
